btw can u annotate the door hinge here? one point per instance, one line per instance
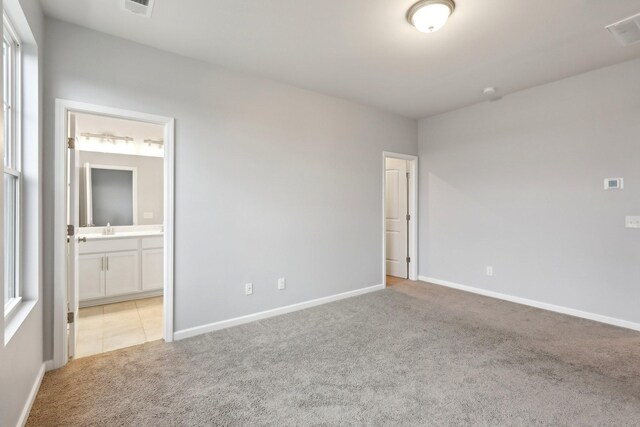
(70, 230)
(70, 317)
(71, 143)
(408, 260)
(408, 217)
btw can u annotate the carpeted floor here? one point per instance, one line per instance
(414, 354)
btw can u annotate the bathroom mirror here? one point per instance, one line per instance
(110, 195)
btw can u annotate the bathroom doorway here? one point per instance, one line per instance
(114, 283)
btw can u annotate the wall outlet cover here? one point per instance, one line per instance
(632, 221)
(281, 283)
(489, 271)
(248, 288)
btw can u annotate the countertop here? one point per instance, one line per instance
(121, 235)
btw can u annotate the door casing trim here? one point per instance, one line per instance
(413, 211)
(62, 108)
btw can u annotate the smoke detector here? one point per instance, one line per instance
(139, 7)
(489, 91)
(627, 31)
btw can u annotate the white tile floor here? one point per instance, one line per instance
(110, 327)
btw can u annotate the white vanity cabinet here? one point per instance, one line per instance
(152, 263)
(113, 269)
(91, 276)
(121, 271)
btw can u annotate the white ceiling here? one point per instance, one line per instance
(364, 50)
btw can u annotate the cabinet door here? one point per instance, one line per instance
(91, 276)
(122, 272)
(152, 271)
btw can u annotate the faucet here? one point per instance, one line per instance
(108, 229)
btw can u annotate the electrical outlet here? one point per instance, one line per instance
(632, 221)
(248, 288)
(489, 271)
(281, 283)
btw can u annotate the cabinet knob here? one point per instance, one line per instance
(82, 239)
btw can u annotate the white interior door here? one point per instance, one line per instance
(73, 219)
(396, 210)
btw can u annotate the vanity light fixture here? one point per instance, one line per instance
(106, 137)
(159, 142)
(429, 16)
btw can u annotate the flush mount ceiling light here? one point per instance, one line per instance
(429, 16)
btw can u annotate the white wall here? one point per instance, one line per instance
(517, 184)
(271, 180)
(150, 182)
(21, 358)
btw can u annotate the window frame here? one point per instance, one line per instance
(13, 150)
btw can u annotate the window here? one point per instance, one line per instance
(12, 167)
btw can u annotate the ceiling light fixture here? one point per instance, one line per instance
(429, 16)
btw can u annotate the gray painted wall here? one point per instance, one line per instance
(21, 358)
(518, 184)
(150, 182)
(271, 181)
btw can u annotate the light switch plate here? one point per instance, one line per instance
(632, 221)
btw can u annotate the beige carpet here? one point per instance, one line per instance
(414, 354)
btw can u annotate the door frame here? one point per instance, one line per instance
(62, 108)
(412, 234)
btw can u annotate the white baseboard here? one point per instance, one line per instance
(198, 330)
(537, 304)
(49, 365)
(22, 421)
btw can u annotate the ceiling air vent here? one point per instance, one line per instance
(139, 7)
(627, 31)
